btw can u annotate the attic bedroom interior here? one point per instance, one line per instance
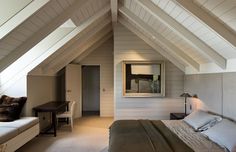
(118, 75)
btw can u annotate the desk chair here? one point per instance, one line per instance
(68, 114)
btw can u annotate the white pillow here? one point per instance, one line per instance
(224, 134)
(201, 120)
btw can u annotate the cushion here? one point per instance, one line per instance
(3, 97)
(14, 110)
(201, 120)
(7, 133)
(21, 124)
(7, 112)
(224, 134)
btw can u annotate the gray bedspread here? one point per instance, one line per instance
(144, 136)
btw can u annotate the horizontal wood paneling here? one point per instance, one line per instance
(126, 48)
(216, 92)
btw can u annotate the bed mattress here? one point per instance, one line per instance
(157, 136)
(197, 141)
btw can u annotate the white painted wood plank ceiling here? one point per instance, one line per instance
(195, 41)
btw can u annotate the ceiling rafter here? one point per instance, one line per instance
(156, 47)
(85, 43)
(61, 57)
(20, 17)
(184, 33)
(114, 11)
(42, 33)
(172, 49)
(98, 19)
(93, 47)
(222, 30)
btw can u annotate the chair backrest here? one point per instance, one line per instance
(72, 107)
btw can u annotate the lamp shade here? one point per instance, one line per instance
(185, 94)
(195, 96)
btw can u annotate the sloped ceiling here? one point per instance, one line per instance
(174, 28)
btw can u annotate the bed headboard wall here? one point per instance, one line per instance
(217, 92)
(229, 95)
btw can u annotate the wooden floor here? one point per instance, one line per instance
(90, 134)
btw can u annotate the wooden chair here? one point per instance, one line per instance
(68, 114)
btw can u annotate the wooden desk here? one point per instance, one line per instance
(53, 107)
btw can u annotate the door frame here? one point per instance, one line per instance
(81, 106)
(67, 90)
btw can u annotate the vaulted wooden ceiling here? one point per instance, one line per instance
(189, 33)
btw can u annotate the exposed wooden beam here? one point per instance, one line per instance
(222, 30)
(156, 47)
(42, 33)
(172, 49)
(84, 43)
(83, 31)
(92, 48)
(114, 10)
(184, 33)
(20, 17)
(66, 52)
(73, 36)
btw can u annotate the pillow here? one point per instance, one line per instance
(224, 134)
(3, 98)
(15, 107)
(201, 120)
(7, 112)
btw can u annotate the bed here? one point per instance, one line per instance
(163, 136)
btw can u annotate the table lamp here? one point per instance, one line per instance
(185, 95)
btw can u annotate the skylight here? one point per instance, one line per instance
(35, 55)
(14, 12)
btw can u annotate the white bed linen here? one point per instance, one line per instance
(195, 140)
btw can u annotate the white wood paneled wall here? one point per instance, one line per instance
(127, 46)
(103, 56)
(216, 92)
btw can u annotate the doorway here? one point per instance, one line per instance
(90, 90)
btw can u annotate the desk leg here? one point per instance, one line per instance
(36, 114)
(67, 109)
(54, 123)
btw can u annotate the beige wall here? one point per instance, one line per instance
(40, 89)
(103, 56)
(127, 46)
(216, 92)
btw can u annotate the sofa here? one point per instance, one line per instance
(15, 130)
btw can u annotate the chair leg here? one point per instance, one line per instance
(71, 122)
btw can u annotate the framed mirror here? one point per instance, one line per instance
(143, 78)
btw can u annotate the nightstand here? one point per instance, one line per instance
(177, 116)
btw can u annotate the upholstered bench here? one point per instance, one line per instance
(16, 133)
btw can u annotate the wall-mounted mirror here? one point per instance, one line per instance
(143, 78)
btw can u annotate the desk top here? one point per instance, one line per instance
(51, 106)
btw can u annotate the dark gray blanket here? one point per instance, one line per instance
(144, 136)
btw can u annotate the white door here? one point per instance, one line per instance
(73, 86)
